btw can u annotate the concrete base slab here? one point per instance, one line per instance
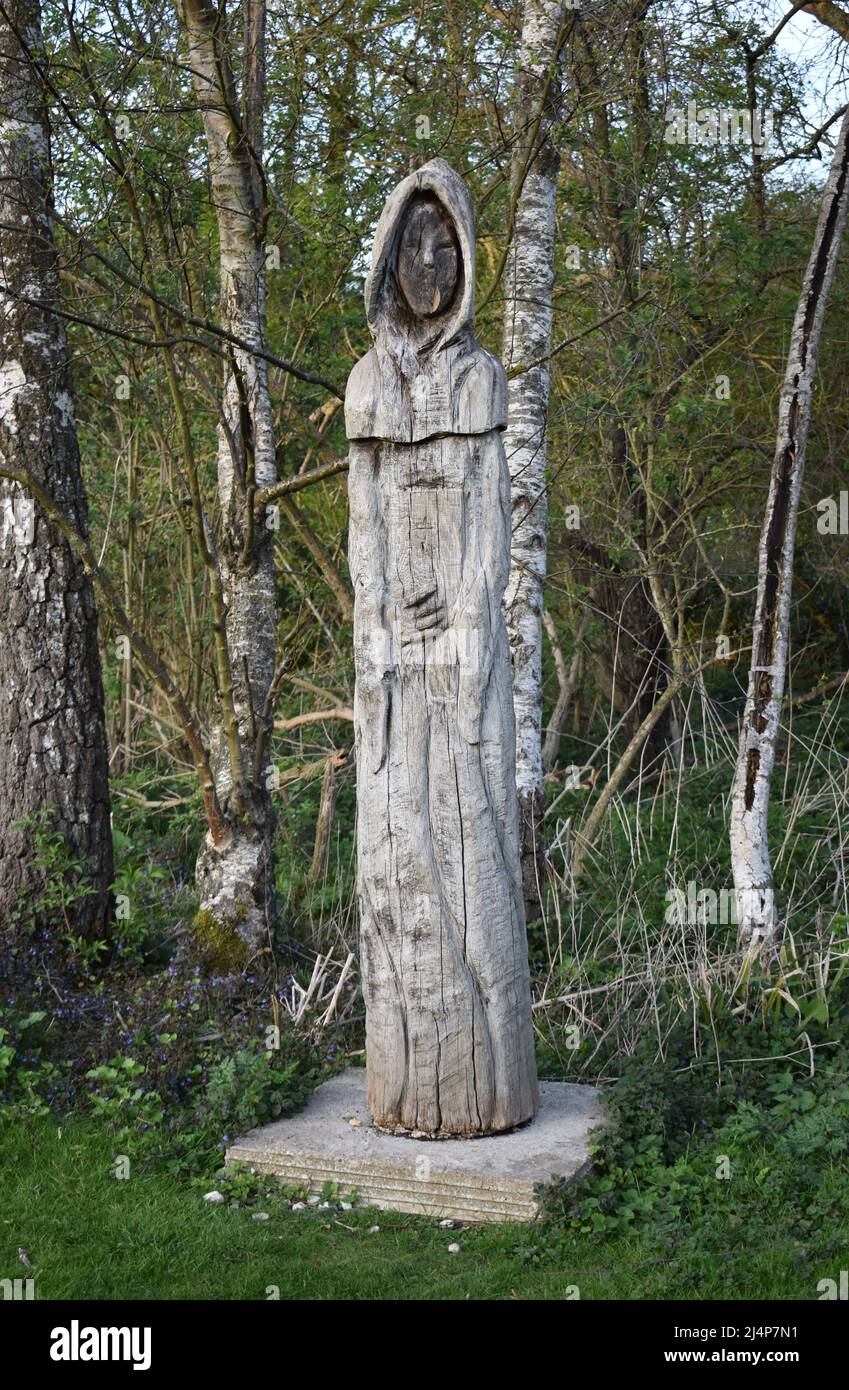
(475, 1180)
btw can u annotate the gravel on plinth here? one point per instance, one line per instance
(475, 1180)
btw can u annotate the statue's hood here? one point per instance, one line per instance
(382, 294)
(431, 378)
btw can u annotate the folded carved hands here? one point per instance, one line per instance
(424, 613)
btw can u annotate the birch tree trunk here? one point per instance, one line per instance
(750, 857)
(449, 1039)
(235, 876)
(528, 280)
(53, 749)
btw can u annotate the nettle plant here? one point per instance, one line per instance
(27, 1077)
(139, 896)
(65, 882)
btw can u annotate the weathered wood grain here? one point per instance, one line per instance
(442, 933)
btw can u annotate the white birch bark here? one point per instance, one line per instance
(528, 280)
(235, 876)
(750, 857)
(53, 750)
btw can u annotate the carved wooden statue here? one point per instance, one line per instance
(442, 931)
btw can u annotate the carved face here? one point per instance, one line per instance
(428, 259)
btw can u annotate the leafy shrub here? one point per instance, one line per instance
(26, 1076)
(238, 1092)
(692, 1154)
(251, 1088)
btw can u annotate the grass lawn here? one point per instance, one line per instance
(152, 1236)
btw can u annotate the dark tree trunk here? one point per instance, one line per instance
(633, 668)
(52, 728)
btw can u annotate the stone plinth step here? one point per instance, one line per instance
(475, 1180)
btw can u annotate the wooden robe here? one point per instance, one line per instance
(443, 946)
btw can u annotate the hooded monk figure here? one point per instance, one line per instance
(443, 946)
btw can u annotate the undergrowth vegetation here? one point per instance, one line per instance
(726, 1081)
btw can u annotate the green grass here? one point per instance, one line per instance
(152, 1236)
